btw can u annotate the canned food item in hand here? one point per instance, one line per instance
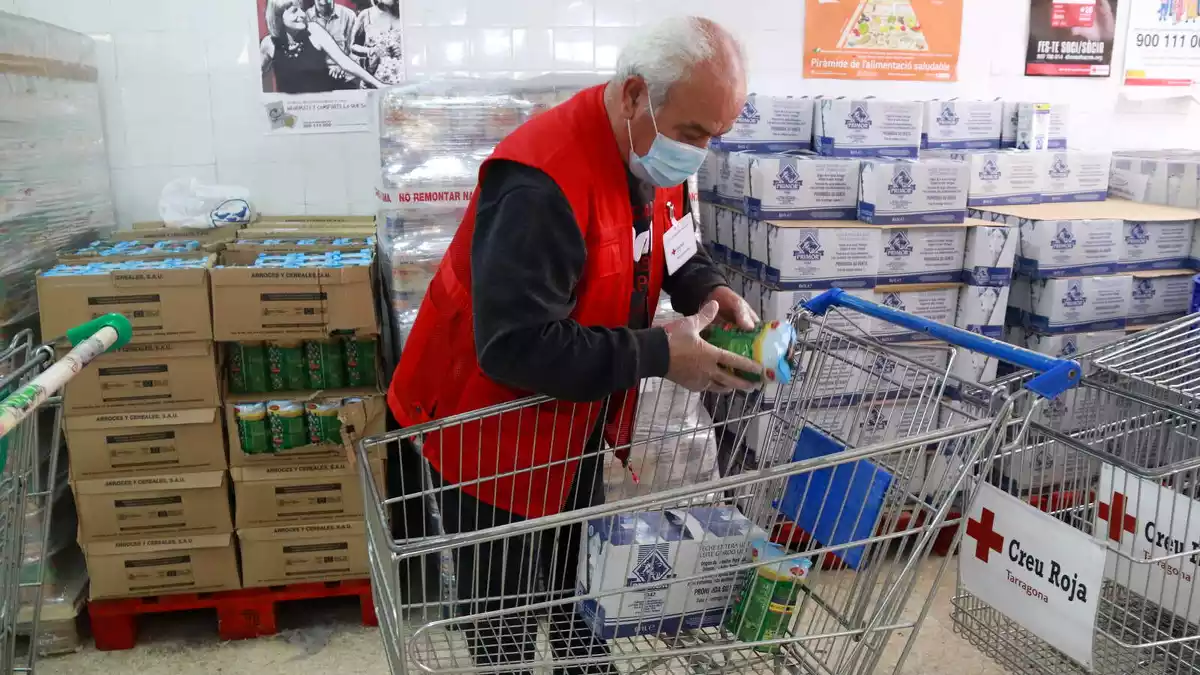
(769, 345)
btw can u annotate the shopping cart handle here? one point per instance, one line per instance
(1055, 375)
(117, 322)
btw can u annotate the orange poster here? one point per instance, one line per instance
(882, 39)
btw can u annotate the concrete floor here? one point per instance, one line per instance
(327, 638)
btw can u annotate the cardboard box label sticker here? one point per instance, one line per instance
(324, 557)
(149, 447)
(150, 513)
(166, 572)
(305, 500)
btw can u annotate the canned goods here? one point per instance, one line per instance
(288, 429)
(325, 364)
(360, 361)
(323, 423)
(285, 360)
(252, 428)
(247, 367)
(769, 595)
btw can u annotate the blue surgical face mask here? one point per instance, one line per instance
(668, 163)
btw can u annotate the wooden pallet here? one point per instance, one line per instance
(242, 614)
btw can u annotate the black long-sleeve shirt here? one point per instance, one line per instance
(527, 256)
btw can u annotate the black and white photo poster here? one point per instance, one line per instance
(320, 58)
(1071, 38)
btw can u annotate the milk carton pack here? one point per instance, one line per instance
(707, 215)
(1073, 304)
(867, 128)
(1004, 177)
(1161, 244)
(990, 254)
(770, 124)
(1070, 345)
(798, 187)
(643, 553)
(1034, 126)
(921, 254)
(731, 179)
(708, 175)
(962, 124)
(808, 254)
(1193, 261)
(1159, 295)
(1076, 176)
(913, 191)
(1155, 180)
(722, 233)
(981, 309)
(1059, 248)
(850, 375)
(756, 256)
(739, 247)
(777, 304)
(936, 302)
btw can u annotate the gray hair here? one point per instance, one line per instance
(665, 53)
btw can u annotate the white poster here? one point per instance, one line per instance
(1163, 45)
(1034, 569)
(321, 58)
(1147, 521)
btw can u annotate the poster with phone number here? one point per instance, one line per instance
(1071, 38)
(914, 40)
(1163, 45)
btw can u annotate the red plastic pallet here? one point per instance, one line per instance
(243, 614)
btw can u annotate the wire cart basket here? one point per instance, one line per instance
(1116, 459)
(811, 559)
(30, 379)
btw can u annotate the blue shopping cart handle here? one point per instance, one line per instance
(1055, 375)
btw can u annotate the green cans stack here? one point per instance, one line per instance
(360, 361)
(285, 359)
(247, 367)
(764, 606)
(325, 363)
(323, 423)
(288, 429)
(252, 428)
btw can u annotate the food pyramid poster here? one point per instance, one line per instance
(882, 39)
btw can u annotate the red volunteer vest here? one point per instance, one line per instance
(523, 461)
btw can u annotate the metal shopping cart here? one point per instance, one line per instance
(812, 562)
(29, 450)
(1110, 471)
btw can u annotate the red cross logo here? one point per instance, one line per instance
(987, 539)
(1114, 514)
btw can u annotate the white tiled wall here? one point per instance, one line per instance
(181, 82)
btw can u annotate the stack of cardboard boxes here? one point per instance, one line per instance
(297, 324)
(253, 367)
(143, 424)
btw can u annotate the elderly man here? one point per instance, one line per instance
(549, 287)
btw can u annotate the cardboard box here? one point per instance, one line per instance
(1073, 304)
(1156, 180)
(775, 304)
(784, 187)
(367, 417)
(732, 169)
(851, 375)
(739, 249)
(957, 124)
(289, 554)
(115, 444)
(770, 124)
(246, 251)
(1002, 177)
(903, 191)
(918, 254)
(981, 309)
(1058, 240)
(991, 251)
(867, 128)
(722, 233)
(300, 227)
(1159, 295)
(162, 376)
(261, 304)
(1076, 176)
(936, 302)
(708, 175)
(1070, 345)
(1034, 126)
(1157, 245)
(298, 493)
(152, 506)
(807, 254)
(157, 231)
(168, 305)
(162, 566)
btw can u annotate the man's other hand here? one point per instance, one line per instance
(732, 308)
(699, 366)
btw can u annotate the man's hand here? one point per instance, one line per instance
(732, 308)
(699, 366)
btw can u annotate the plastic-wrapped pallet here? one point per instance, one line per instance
(54, 189)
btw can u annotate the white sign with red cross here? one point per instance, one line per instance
(1035, 569)
(1146, 521)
